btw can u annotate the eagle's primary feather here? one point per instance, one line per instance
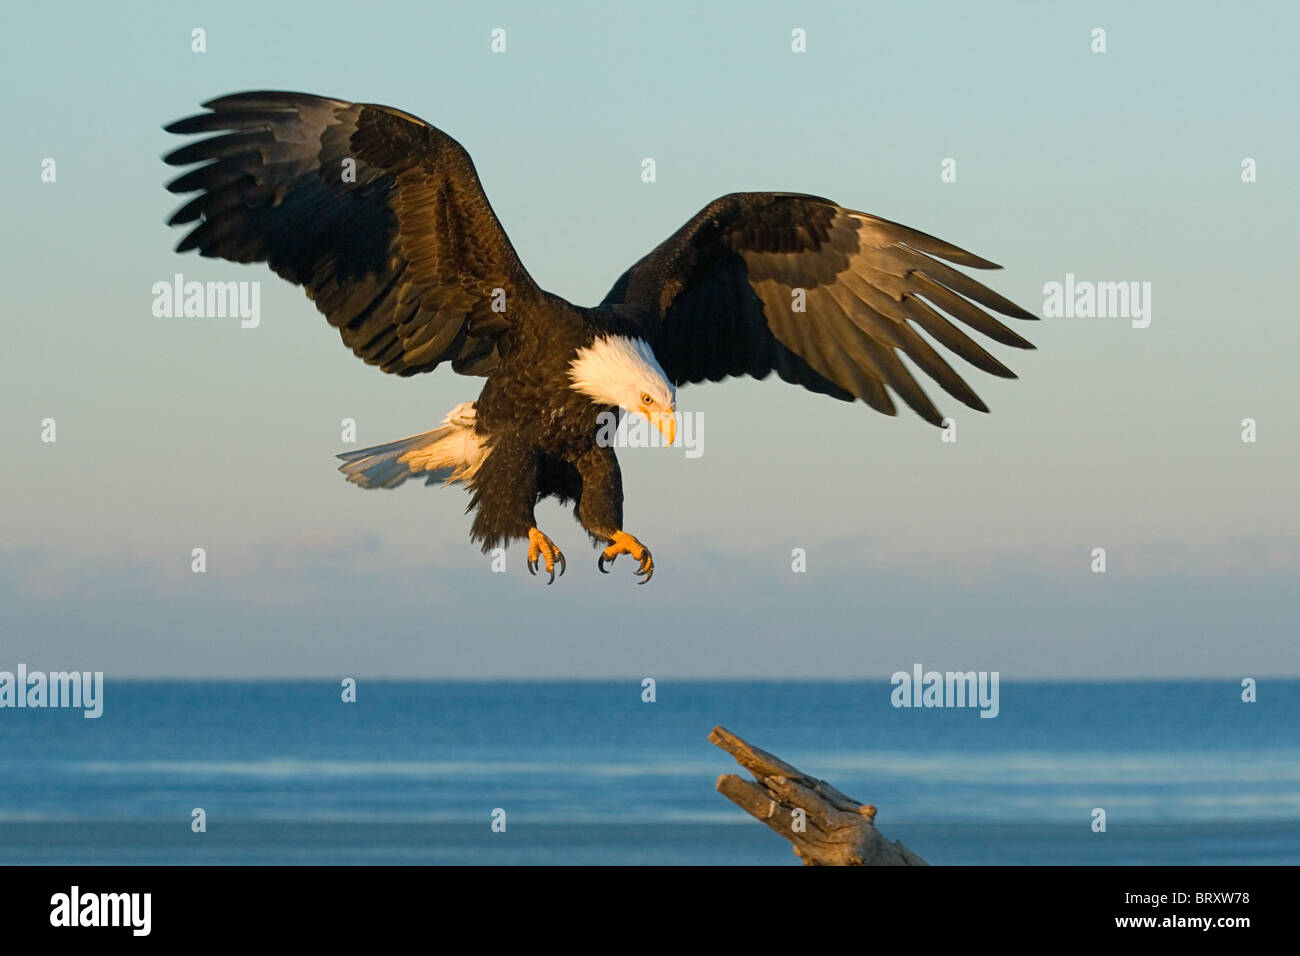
(381, 218)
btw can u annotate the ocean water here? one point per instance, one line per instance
(589, 773)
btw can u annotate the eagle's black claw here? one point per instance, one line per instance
(623, 543)
(542, 549)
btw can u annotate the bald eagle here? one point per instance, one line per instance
(381, 218)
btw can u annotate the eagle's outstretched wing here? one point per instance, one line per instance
(723, 296)
(378, 215)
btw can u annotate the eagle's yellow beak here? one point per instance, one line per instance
(666, 422)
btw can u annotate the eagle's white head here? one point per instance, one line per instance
(623, 371)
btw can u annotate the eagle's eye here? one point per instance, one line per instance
(646, 399)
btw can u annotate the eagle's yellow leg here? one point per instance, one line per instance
(624, 543)
(540, 546)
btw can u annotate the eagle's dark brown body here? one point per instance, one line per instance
(555, 453)
(382, 219)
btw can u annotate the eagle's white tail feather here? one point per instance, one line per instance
(451, 452)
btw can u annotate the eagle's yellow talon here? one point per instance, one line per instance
(540, 546)
(624, 543)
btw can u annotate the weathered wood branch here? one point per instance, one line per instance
(826, 827)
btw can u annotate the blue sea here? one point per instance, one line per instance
(589, 773)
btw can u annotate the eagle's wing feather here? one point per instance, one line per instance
(378, 215)
(721, 297)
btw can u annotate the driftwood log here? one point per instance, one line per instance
(826, 827)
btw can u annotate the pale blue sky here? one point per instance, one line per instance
(1123, 166)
